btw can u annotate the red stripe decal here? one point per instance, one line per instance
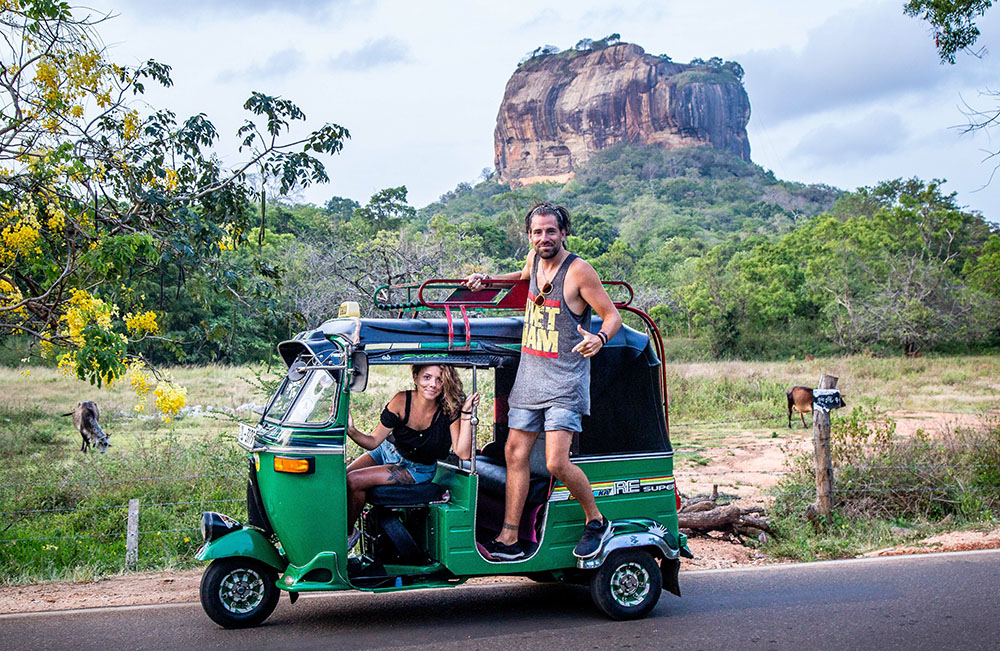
(539, 353)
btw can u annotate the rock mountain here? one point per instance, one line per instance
(560, 109)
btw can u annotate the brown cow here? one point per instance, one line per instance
(85, 420)
(800, 399)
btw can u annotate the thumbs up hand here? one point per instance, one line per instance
(590, 345)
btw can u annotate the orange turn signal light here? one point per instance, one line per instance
(298, 465)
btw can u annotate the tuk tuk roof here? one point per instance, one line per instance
(374, 334)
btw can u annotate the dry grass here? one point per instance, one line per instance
(967, 385)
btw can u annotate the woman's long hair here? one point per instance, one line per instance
(452, 393)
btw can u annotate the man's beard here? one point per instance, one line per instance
(552, 252)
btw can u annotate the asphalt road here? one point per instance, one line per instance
(936, 601)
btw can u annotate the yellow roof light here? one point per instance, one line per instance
(349, 309)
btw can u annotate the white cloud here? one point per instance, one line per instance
(855, 57)
(372, 54)
(876, 134)
(277, 65)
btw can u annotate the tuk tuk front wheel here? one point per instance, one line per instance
(627, 585)
(239, 592)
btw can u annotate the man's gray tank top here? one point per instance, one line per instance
(550, 374)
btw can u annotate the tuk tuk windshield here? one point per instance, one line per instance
(308, 400)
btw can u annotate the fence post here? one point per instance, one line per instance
(132, 535)
(823, 454)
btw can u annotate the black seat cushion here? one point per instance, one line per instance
(411, 495)
(493, 481)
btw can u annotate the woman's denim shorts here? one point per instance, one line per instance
(387, 454)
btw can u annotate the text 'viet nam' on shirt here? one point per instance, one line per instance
(540, 336)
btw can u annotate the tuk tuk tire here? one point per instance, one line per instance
(239, 592)
(627, 585)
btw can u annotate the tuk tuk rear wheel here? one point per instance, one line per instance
(627, 585)
(239, 592)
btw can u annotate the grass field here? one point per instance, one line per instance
(65, 511)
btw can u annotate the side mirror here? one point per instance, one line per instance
(295, 372)
(359, 371)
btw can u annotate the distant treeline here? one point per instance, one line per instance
(729, 260)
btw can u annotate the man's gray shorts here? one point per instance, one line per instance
(544, 420)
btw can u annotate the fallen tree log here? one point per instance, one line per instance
(717, 519)
(729, 519)
(697, 507)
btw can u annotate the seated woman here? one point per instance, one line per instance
(416, 428)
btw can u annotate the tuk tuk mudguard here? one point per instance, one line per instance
(245, 542)
(637, 533)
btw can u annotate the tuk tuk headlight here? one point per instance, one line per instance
(216, 525)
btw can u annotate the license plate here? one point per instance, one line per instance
(247, 436)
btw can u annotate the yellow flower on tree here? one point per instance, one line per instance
(169, 399)
(142, 323)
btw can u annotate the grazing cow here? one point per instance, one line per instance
(85, 420)
(800, 399)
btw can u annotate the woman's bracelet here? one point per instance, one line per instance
(466, 412)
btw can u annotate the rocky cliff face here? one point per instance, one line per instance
(558, 110)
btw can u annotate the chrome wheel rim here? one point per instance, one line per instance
(630, 584)
(241, 591)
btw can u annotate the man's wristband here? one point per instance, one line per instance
(603, 337)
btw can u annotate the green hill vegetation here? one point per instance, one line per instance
(731, 261)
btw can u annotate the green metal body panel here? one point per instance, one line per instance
(452, 525)
(308, 511)
(243, 542)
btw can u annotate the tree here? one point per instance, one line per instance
(894, 276)
(96, 195)
(341, 208)
(953, 22)
(387, 209)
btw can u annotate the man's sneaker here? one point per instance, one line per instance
(594, 535)
(352, 539)
(498, 550)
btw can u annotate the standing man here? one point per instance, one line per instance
(552, 388)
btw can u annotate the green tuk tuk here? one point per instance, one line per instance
(431, 535)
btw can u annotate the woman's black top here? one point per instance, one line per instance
(422, 446)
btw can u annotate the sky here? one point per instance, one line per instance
(845, 92)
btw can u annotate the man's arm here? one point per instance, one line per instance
(593, 292)
(475, 281)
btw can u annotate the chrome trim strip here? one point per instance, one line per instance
(623, 457)
(280, 449)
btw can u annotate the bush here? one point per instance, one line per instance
(883, 480)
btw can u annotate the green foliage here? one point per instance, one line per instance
(953, 21)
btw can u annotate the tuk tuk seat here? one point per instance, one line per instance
(402, 496)
(493, 480)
